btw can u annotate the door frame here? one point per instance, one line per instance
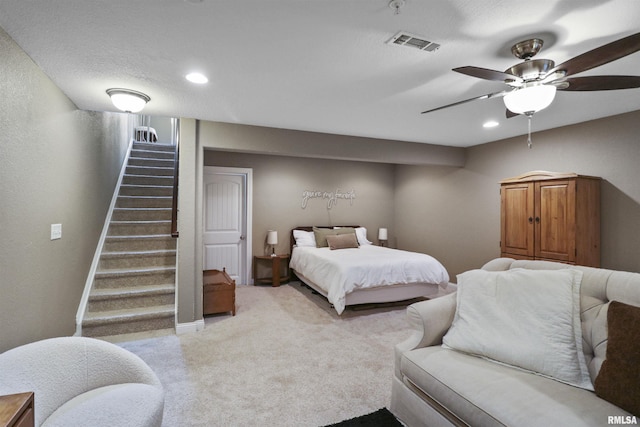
(247, 173)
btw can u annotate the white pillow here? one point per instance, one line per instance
(525, 318)
(361, 234)
(304, 238)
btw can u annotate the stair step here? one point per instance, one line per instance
(136, 243)
(134, 228)
(141, 214)
(144, 202)
(128, 320)
(127, 277)
(146, 190)
(153, 147)
(147, 180)
(151, 162)
(153, 154)
(137, 259)
(108, 299)
(149, 170)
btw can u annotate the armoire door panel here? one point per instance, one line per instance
(517, 219)
(555, 220)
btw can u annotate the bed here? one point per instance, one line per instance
(362, 273)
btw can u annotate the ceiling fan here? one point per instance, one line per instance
(532, 84)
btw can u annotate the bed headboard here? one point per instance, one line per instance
(292, 241)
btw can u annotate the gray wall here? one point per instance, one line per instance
(162, 125)
(448, 211)
(58, 165)
(285, 163)
(456, 211)
(286, 142)
(278, 184)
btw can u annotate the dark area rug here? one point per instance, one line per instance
(380, 418)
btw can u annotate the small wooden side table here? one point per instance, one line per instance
(276, 277)
(16, 410)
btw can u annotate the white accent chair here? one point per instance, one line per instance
(81, 381)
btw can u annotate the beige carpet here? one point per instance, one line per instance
(285, 359)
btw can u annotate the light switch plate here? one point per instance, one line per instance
(56, 231)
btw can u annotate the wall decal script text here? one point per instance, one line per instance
(330, 196)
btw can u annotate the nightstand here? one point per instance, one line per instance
(16, 410)
(277, 276)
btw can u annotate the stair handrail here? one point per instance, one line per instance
(176, 169)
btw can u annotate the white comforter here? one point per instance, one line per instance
(339, 272)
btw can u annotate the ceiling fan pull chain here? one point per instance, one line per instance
(529, 143)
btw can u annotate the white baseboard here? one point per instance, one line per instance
(186, 328)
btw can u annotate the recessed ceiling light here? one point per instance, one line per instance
(490, 124)
(197, 78)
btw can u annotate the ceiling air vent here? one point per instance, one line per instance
(411, 40)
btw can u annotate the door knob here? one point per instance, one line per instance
(241, 237)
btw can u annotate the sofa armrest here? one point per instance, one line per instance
(430, 321)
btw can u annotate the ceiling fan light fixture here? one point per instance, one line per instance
(530, 99)
(127, 100)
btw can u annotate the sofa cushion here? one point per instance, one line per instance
(529, 319)
(619, 375)
(483, 393)
(598, 287)
(132, 405)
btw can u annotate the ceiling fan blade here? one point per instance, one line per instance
(487, 96)
(600, 83)
(601, 55)
(487, 74)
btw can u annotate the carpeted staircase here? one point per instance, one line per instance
(134, 285)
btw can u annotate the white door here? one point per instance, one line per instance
(225, 223)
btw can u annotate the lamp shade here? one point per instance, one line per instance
(128, 100)
(530, 99)
(382, 234)
(272, 237)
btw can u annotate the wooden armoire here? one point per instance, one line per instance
(551, 216)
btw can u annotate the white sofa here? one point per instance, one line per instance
(83, 382)
(438, 386)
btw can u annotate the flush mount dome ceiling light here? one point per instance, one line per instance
(127, 100)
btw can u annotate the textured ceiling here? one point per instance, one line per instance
(322, 66)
